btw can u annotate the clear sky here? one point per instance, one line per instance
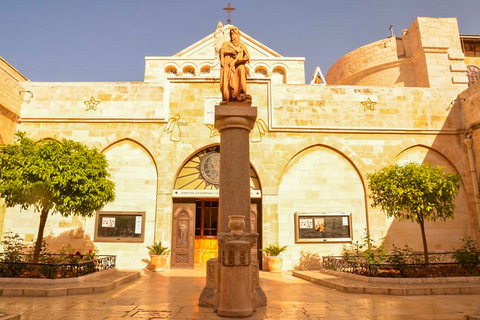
(107, 40)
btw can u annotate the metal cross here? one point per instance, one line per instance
(229, 8)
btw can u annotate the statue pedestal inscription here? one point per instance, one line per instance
(232, 279)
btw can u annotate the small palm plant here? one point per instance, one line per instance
(273, 250)
(157, 249)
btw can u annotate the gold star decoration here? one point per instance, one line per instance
(91, 104)
(213, 131)
(368, 105)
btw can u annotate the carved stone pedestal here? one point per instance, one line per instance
(232, 279)
(235, 298)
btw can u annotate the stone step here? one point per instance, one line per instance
(348, 284)
(102, 282)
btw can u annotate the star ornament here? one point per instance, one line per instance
(91, 104)
(368, 105)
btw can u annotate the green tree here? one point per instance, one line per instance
(51, 176)
(415, 192)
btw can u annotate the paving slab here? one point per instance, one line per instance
(174, 295)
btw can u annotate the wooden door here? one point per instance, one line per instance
(183, 234)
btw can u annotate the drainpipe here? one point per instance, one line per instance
(469, 143)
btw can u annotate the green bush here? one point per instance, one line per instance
(467, 256)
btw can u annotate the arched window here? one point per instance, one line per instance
(261, 72)
(188, 70)
(205, 70)
(170, 70)
(473, 74)
(280, 73)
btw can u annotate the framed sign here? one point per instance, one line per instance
(120, 226)
(323, 227)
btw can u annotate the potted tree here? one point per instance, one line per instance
(158, 256)
(274, 260)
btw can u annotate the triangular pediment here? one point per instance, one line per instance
(204, 49)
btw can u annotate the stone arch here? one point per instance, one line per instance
(280, 70)
(319, 179)
(441, 235)
(48, 138)
(261, 69)
(289, 151)
(205, 68)
(189, 69)
(135, 142)
(134, 172)
(196, 190)
(208, 184)
(171, 69)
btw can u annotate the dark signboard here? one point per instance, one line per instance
(323, 227)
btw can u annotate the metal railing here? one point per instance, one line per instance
(442, 265)
(54, 270)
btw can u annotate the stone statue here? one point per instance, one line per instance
(219, 39)
(233, 73)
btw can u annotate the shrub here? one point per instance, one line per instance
(467, 256)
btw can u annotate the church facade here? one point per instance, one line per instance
(401, 99)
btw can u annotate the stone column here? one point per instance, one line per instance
(234, 122)
(232, 287)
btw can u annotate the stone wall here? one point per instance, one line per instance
(428, 54)
(322, 141)
(10, 100)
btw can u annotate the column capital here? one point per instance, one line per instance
(235, 116)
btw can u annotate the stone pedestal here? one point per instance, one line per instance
(235, 296)
(232, 279)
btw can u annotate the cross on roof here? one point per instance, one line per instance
(229, 8)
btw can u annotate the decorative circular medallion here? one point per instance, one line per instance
(210, 167)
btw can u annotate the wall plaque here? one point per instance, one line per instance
(120, 226)
(323, 227)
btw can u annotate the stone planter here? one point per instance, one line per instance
(158, 262)
(275, 263)
(236, 223)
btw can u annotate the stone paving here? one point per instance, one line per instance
(174, 295)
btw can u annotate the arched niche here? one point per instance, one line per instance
(317, 180)
(441, 235)
(134, 173)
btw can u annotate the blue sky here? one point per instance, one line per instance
(107, 40)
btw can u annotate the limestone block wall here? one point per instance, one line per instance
(321, 143)
(10, 100)
(330, 108)
(428, 54)
(469, 102)
(106, 101)
(475, 61)
(319, 180)
(373, 64)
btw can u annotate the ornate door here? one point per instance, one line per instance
(183, 233)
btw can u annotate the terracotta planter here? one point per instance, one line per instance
(275, 263)
(158, 263)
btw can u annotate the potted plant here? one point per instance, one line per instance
(158, 256)
(274, 260)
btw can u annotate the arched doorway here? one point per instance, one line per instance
(196, 210)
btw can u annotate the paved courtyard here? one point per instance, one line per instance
(174, 295)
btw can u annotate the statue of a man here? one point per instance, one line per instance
(233, 73)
